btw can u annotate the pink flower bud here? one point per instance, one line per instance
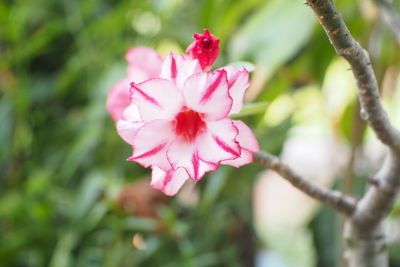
(205, 48)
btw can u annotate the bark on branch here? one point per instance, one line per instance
(336, 199)
(345, 46)
(379, 199)
(366, 246)
(374, 206)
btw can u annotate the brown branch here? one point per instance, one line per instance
(390, 17)
(380, 197)
(336, 199)
(345, 46)
(365, 249)
(365, 246)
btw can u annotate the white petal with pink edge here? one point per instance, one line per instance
(183, 154)
(131, 113)
(118, 98)
(246, 137)
(143, 63)
(179, 68)
(129, 123)
(218, 143)
(207, 93)
(151, 143)
(238, 81)
(156, 99)
(246, 157)
(168, 181)
(127, 130)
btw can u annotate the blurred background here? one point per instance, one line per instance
(69, 197)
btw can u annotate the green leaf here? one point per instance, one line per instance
(215, 183)
(140, 224)
(243, 64)
(62, 256)
(251, 109)
(88, 195)
(273, 35)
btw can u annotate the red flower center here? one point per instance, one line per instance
(189, 124)
(206, 42)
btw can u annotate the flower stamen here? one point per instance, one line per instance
(189, 124)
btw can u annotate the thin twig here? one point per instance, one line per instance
(390, 17)
(345, 46)
(336, 199)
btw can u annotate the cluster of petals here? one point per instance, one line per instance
(176, 116)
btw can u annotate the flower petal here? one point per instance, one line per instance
(156, 99)
(151, 142)
(127, 130)
(118, 98)
(246, 157)
(218, 143)
(179, 68)
(238, 81)
(183, 154)
(248, 144)
(131, 113)
(207, 93)
(143, 63)
(169, 182)
(246, 137)
(129, 123)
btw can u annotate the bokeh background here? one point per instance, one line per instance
(69, 197)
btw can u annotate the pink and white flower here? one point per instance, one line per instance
(181, 126)
(176, 114)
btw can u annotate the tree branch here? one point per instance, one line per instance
(345, 46)
(365, 249)
(390, 17)
(336, 199)
(365, 242)
(379, 199)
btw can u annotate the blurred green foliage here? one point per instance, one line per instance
(62, 164)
